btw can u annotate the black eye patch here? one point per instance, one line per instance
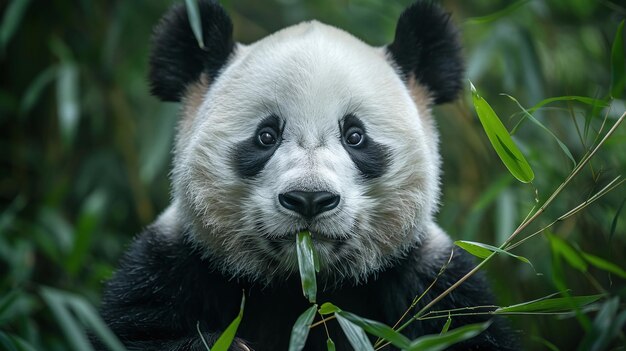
(370, 157)
(251, 154)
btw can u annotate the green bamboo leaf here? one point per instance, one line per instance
(328, 308)
(65, 306)
(611, 232)
(67, 100)
(472, 248)
(10, 342)
(330, 344)
(227, 337)
(356, 336)
(13, 15)
(565, 250)
(378, 329)
(606, 326)
(316, 260)
(497, 15)
(481, 250)
(306, 264)
(501, 141)
(91, 318)
(74, 333)
(300, 330)
(618, 70)
(91, 212)
(443, 341)
(7, 301)
(9, 212)
(534, 120)
(35, 89)
(446, 326)
(604, 264)
(558, 304)
(583, 99)
(193, 13)
(596, 104)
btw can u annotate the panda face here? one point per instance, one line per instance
(310, 110)
(306, 129)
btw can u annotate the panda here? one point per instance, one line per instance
(308, 129)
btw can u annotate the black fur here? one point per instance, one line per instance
(164, 287)
(370, 157)
(426, 46)
(250, 156)
(177, 60)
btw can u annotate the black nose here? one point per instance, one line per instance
(309, 203)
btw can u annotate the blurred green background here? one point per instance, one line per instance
(85, 151)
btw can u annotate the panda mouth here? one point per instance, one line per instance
(316, 236)
(279, 243)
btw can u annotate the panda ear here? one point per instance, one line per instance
(177, 60)
(426, 47)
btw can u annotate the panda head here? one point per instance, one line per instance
(307, 129)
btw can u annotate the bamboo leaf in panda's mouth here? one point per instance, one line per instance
(308, 264)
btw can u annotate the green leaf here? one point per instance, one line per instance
(13, 15)
(35, 89)
(604, 264)
(193, 13)
(501, 141)
(10, 342)
(330, 344)
(611, 232)
(91, 318)
(378, 329)
(446, 326)
(481, 250)
(534, 120)
(618, 71)
(74, 333)
(471, 247)
(328, 308)
(558, 304)
(87, 223)
(306, 264)
(59, 227)
(583, 99)
(443, 341)
(497, 15)
(565, 250)
(606, 326)
(7, 301)
(356, 336)
(67, 100)
(300, 330)
(224, 341)
(316, 260)
(9, 212)
(69, 310)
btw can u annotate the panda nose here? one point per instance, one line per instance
(309, 203)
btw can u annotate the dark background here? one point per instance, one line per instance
(85, 150)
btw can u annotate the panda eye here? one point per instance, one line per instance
(354, 137)
(267, 137)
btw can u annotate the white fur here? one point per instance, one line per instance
(310, 75)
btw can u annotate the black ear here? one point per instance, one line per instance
(177, 60)
(426, 46)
